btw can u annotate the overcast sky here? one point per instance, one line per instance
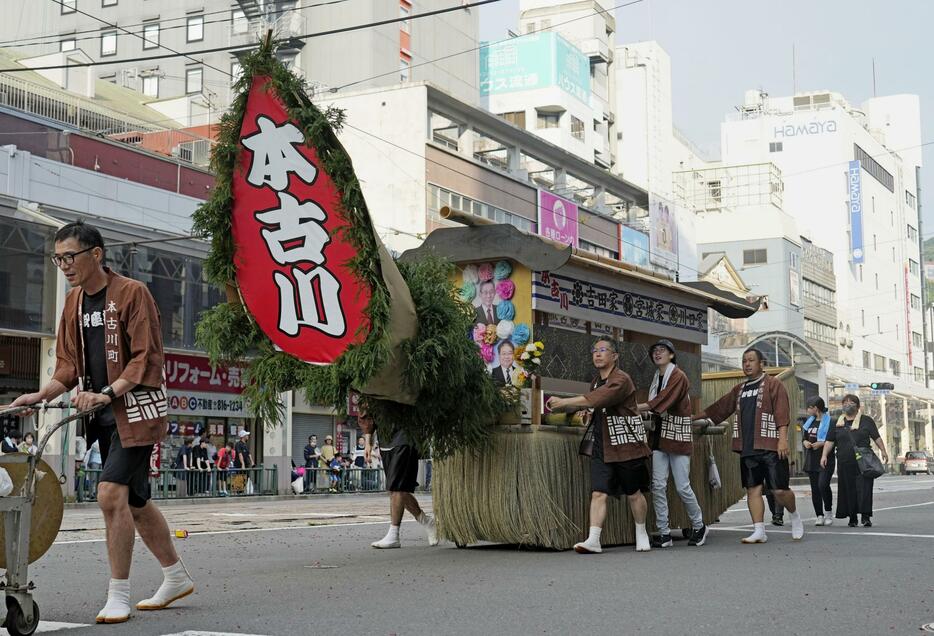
(720, 48)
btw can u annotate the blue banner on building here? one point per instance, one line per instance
(854, 176)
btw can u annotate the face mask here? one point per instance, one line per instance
(850, 409)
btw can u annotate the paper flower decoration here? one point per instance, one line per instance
(504, 329)
(470, 275)
(485, 272)
(486, 352)
(468, 291)
(490, 336)
(506, 310)
(521, 334)
(479, 333)
(505, 289)
(502, 270)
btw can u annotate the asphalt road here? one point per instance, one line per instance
(305, 567)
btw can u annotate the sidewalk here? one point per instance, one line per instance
(83, 522)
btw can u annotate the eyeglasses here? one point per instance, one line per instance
(67, 258)
(600, 350)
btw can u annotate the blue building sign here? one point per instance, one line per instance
(534, 61)
(854, 177)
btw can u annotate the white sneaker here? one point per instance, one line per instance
(585, 547)
(386, 544)
(828, 521)
(758, 536)
(820, 521)
(797, 528)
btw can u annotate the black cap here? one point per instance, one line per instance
(664, 343)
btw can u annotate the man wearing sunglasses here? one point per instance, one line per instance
(619, 455)
(110, 347)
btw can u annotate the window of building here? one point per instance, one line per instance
(873, 167)
(916, 339)
(195, 30)
(919, 375)
(878, 362)
(914, 267)
(775, 146)
(439, 197)
(862, 317)
(405, 10)
(68, 44)
(516, 118)
(444, 131)
(26, 276)
(69, 6)
(547, 119)
(895, 291)
(820, 332)
(238, 22)
(108, 43)
(912, 234)
(878, 324)
(194, 77)
(108, 3)
(867, 360)
(577, 128)
(875, 245)
(916, 302)
(817, 295)
(151, 35)
(896, 367)
(877, 282)
(404, 67)
(599, 250)
(755, 257)
(716, 190)
(893, 254)
(151, 86)
(235, 72)
(911, 200)
(793, 261)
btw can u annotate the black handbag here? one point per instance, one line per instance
(870, 466)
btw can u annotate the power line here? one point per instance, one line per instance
(161, 46)
(489, 44)
(55, 39)
(243, 47)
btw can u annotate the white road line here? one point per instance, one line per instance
(47, 627)
(245, 530)
(198, 633)
(853, 533)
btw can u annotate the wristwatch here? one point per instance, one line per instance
(109, 392)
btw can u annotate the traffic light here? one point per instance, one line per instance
(882, 386)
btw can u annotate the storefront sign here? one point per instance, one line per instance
(193, 373)
(561, 293)
(557, 218)
(810, 128)
(292, 259)
(854, 175)
(206, 404)
(532, 62)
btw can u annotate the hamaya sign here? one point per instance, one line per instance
(292, 263)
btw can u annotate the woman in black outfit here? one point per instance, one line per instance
(814, 435)
(852, 430)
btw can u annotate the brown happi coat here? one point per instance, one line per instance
(133, 349)
(623, 432)
(673, 407)
(772, 414)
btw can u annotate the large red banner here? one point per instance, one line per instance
(292, 264)
(194, 373)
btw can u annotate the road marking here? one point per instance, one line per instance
(853, 533)
(197, 633)
(46, 627)
(245, 530)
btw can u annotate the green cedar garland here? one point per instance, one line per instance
(457, 401)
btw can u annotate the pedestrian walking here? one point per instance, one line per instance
(615, 442)
(672, 442)
(814, 434)
(109, 345)
(760, 436)
(400, 463)
(853, 430)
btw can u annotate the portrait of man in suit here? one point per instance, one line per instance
(502, 375)
(486, 311)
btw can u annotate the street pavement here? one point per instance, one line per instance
(304, 566)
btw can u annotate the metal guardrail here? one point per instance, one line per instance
(328, 480)
(186, 484)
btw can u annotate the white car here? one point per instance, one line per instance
(919, 462)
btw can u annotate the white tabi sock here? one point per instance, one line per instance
(176, 584)
(758, 534)
(592, 544)
(391, 540)
(642, 539)
(594, 536)
(117, 608)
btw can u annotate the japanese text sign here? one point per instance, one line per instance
(292, 261)
(194, 373)
(557, 218)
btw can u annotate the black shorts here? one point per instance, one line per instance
(619, 478)
(401, 467)
(764, 469)
(127, 466)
